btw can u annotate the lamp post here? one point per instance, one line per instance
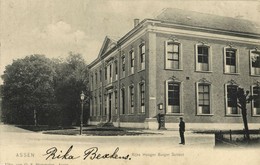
(82, 97)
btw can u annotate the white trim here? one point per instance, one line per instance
(226, 103)
(166, 97)
(141, 65)
(131, 55)
(189, 33)
(131, 110)
(237, 60)
(139, 98)
(209, 57)
(250, 62)
(197, 98)
(166, 54)
(123, 73)
(192, 33)
(253, 114)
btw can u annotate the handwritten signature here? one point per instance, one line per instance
(90, 153)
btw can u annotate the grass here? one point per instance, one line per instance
(87, 131)
(40, 128)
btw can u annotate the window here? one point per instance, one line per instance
(172, 55)
(232, 108)
(116, 69)
(203, 99)
(255, 62)
(132, 61)
(105, 73)
(142, 56)
(256, 100)
(91, 106)
(231, 60)
(92, 82)
(116, 102)
(142, 97)
(123, 100)
(123, 66)
(95, 107)
(96, 77)
(131, 98)
(203, 58)
(100, 105)
(100, 75)
(105, 112)
(110, 73)
(173, 97)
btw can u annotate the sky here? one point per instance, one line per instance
(56, 27)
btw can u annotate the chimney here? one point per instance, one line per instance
(136, 22)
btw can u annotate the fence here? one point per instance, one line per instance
(234, 138)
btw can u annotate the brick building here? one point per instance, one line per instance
(180, 63)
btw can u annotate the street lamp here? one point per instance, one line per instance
(82, 97)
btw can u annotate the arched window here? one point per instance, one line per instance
(231, 99)
(255, 62)
(131, 98)
(173, 56)
(203, 57)
(142, 56)
(142, 96)
(203, 88)
(173, 96)
(231, 60)
(256, 101)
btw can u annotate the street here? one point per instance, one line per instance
(20, 146)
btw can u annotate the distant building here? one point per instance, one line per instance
(181, 63)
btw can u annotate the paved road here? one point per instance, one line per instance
(21, 146)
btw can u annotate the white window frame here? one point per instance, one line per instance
(252, 70)
(130, 105)
(226, 102)
(167, 65)
(253, 109)
(226, 70)
(142, 64)
(210, 99)
(197, 68)
(166, 98)
(142, 107)
(100, 77)
(123, 66)
(116, 69)
(131, 58)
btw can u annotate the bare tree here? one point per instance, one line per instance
(244, 98)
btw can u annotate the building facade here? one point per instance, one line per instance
(181, 63)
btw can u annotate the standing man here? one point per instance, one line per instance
(182, 130)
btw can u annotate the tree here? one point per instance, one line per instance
(72, 78)
(28, 90)
(242, 98)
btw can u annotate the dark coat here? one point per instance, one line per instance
(182, 126)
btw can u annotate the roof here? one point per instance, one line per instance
(186, 18)
(197, 19)
(108, 43)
